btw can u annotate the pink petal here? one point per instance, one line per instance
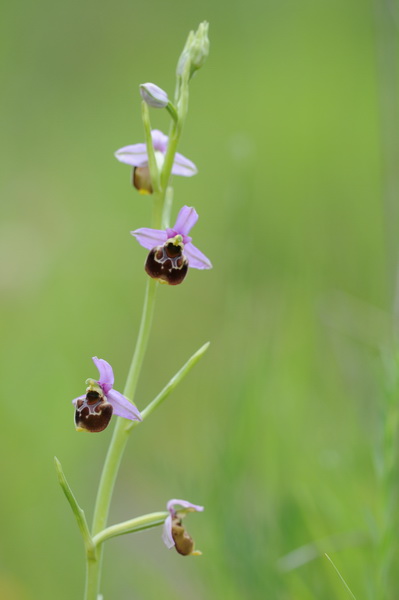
(196, 259)
(183, 166)
(159, 140)
(135, 155)
(186, 219)
(149, 238)
(122, 407)
(106, 379)
(184, 504)
(167, 533)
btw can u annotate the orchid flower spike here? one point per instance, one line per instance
(171, 249)
(174, 533)
(94, 410)
(136, 156)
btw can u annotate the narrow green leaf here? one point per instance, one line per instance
(77, 511)
(340, 576)
(176, 379)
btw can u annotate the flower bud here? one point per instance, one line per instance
(196, 50)
(185, 55)
(153, 95)
(200, 47)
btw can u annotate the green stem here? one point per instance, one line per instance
(174, 136)
(122, 429)
(131, 526)
(142, 339)
(152, 163)
(118, 444)
(93, 575)
(172, 111)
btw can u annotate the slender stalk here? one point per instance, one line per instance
(123, 428)
(174, 136)
(121, 431)
(117, 445)
(93, 568)
(131, 526)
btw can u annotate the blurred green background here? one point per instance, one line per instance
(275, 430)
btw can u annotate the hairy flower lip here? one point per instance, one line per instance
(186, 219)
(121, 406)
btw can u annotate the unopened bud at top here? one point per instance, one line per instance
(153, 95)
(200, 47)
(195, 51)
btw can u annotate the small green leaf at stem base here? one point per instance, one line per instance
(77, 511)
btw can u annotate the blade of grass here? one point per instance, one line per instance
(340, 576)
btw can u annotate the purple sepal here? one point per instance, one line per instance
(159, 140)
(186, 219)
(135, 155)
(196, 259)
(150, 238)
(184, 504)
(167, 533)
(106, 379)
(123, 407)
(183, 166)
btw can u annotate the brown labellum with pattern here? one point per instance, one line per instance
(93, 413)
(167, 263)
